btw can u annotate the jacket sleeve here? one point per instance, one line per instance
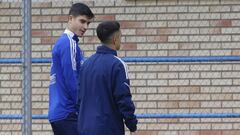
(123, 97)
(69, 72)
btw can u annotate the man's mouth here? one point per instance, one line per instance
(82, 32)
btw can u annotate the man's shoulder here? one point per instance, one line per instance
(113, 60)
(63, 39)
(62, 42)
(118, 60)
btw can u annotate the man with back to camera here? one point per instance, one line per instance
(66, 61)
(104, 93)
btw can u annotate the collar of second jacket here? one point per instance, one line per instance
(105, 49)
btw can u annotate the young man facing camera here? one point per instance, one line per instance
(105, 98)
(66, 61)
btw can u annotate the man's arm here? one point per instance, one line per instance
(68, 65)
(123, 96)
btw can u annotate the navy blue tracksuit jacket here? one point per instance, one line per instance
(104, 95)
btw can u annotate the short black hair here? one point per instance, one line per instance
(80, 9)
(106, 29)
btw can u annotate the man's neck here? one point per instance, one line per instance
(111, 46)
(70, 29)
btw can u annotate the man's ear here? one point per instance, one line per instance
(70, 17)
(114, 38)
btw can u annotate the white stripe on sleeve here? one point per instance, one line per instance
(125, 66)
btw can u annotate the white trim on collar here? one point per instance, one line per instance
(70, 33)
